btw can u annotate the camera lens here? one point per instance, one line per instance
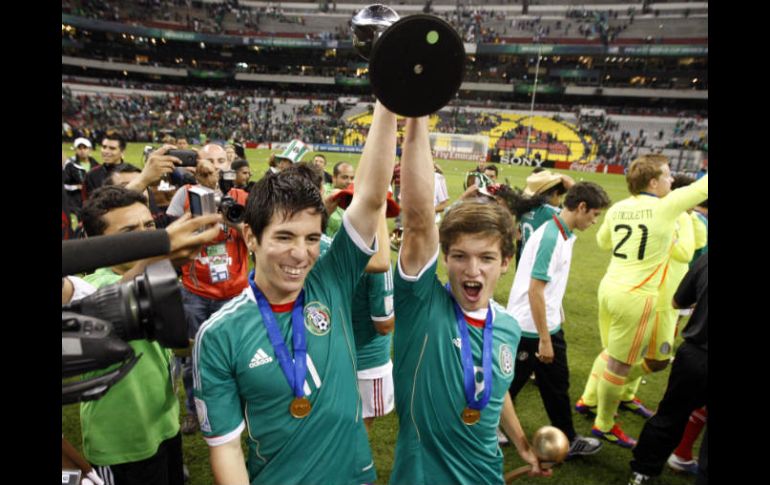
(234, 213)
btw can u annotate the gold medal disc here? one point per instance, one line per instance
(470, 416)
(300, 407)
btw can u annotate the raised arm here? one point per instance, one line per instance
(420, 239)
(380, 262)
(373, 174)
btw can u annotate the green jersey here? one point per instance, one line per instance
(640, 231)
(239, 382)
(139, 412)
(335, 222)
(535, 218)
(434, 445)
(372, 301)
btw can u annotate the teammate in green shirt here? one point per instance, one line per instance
(279, 360)
(448, 413)
(639, 230)
(131, 434)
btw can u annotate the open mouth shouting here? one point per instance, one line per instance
(472, 290)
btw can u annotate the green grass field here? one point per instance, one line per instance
(609, 466)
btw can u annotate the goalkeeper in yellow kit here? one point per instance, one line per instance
(639, 231)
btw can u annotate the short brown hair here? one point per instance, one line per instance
(643, 170)
(484, 217)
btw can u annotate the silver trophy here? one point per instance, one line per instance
(369, 24)
(416, 63)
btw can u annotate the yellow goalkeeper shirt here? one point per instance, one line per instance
(640, 230)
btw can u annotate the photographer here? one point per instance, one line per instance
(219, 272)
(132, 434)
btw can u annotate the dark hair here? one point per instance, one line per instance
(681, 181)
(103, 200)
(538, 170)
(592, 194)
(518, 203)
(288, 192)
(238, 164)
(122, 167)
(484, 217)
(115, 135)
(320, 155)
(309, 171)
(491, 167)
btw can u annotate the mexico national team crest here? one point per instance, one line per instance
(318, 318)
(506, 360)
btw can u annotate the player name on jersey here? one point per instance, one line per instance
(632, 215)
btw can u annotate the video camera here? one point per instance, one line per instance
(204, 201)
(96, 329)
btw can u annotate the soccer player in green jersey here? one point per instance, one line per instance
(453, 348)
(639, 230)
(279, 360)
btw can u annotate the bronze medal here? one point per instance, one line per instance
(470, 416)
(300, 407)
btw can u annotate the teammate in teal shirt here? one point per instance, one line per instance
(451, 377)
(537, 203)
(248, 372)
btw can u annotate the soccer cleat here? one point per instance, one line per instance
(583, 445)
(639, 479)
(585, 409)
(683, 466)
(615, 436)
(636, 407)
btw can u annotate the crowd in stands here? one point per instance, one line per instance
(472, 23)
(220, 117)
(254, 116)
(466, 122)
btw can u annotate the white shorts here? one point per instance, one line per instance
(377, 392)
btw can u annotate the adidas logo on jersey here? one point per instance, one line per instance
(260, 358)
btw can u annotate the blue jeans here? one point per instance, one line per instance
(197, 310)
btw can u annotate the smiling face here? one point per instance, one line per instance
(474, 264)
(111, 152)
(287, 252)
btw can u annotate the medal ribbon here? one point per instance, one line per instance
(469, 378)
(293, 370)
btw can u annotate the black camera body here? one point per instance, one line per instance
(189, 158)
(96, 329)
(205, 201)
